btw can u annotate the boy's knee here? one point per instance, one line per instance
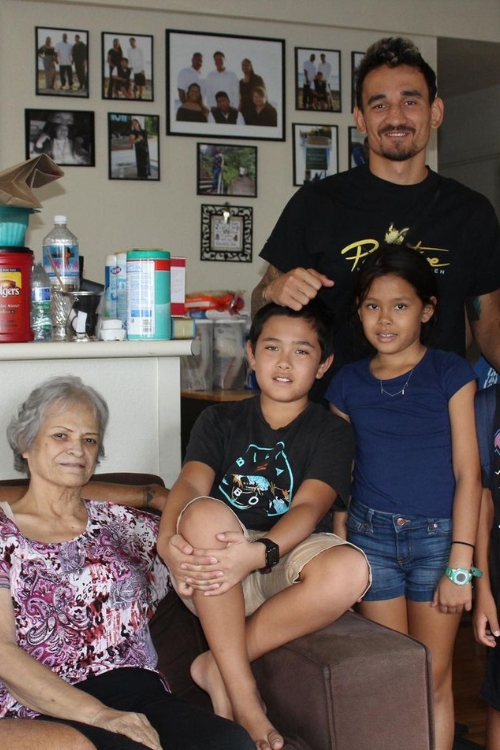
(348, 566)
(207, 515)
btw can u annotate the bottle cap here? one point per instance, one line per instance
(60, 219)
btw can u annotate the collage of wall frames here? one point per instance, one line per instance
(217, 86)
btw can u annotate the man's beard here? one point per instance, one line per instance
(398, 155)
(408, 153)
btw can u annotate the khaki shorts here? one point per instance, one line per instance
(258, 587)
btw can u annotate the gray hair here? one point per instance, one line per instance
(64, 391)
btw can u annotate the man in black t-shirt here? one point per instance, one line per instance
(328, 227)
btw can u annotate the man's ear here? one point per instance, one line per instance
(359, 119)
(437, 113)
(324, 366)
(250, 355)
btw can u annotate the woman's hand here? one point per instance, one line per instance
(133, 725)
(450, 598)
(234, 563)
(485, 619)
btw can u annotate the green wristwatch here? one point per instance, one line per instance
(462, 576)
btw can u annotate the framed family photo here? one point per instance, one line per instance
(317, 79)
(64, 135)
(359, 152)
(315, 152)
(225, 86)
(356, 58)
(127, 66)
(133, 147)
(226, 170)
(62, 57)
(226, 233)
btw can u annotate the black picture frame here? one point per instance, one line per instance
(224, 56)
(236, 176)
(133, 157)
(226, 233)
(136, 84)
(321, 94)
(358, 149)
(61, 68)
(67, 136)
(315, 151)
(356, 58)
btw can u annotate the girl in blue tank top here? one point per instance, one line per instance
(416, 482)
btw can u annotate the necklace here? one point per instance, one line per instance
(402, 391)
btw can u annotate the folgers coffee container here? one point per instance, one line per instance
(148, 294)
(15, 294)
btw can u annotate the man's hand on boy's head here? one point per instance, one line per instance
(235, 562)
(296, 288)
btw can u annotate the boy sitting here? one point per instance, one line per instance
(249, 517)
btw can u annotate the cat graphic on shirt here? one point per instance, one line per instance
(260, 479)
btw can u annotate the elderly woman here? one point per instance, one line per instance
(79, 581)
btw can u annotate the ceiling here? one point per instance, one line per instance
(465, 66)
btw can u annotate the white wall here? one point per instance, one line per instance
(469, 142)
(108, 215)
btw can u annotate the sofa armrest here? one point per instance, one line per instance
(354, 685)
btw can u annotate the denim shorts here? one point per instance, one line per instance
(408, 554)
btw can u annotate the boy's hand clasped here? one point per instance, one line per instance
(234, 563)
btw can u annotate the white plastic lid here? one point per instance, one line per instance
(60, 219)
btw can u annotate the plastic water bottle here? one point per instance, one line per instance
(61, 263)
(41, 319)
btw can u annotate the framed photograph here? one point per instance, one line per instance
(359, 152)
(226, 170)
(225, 86)
(356, 58)
(62, 59)
(226, 233)
(127, 66)
(317, 80)
(315, 152)
(133, 147)
(64, 135)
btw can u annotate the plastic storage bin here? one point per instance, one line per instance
(197, 369)
(229, 354)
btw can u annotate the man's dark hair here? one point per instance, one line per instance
(221, 93)
(313, 313)
(393, 51)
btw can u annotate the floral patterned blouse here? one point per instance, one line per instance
(82, 607)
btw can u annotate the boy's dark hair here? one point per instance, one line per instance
(313, 313)
(408, 264)
(393, 51)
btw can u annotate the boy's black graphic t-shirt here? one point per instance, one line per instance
(258, 470)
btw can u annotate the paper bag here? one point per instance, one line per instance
(16, 182)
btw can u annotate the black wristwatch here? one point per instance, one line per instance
(272, 554)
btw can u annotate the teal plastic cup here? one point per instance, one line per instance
(13, 225)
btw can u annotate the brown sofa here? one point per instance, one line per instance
(353, 686)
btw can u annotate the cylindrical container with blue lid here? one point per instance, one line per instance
(148, 294)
